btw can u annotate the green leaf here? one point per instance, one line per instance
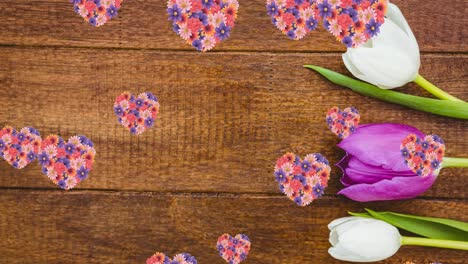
(436, 228)
(434, 106)
(366, 215)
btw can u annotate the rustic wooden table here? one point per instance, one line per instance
(226, 116)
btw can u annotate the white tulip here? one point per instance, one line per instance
(360, 239)
(390, 59)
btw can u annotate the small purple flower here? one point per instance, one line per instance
(43, 159)
(118, 110)
(325, 9)
(298, 200)
(82, 173)
(112, 11)
(373, 28)
(352, 13)
(149, 122)
(272, 9)
(92, 21)
(175, 13)
(305, 165)
(197, 44)
(318, 190)
(280, 176)
(21, 137)
(223, 32)
(62, 184)
(139, 103)
(348, 41)
(207, 3)
(31, 156)
(311, 24)
(69, 148)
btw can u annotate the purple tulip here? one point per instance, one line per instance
(374, 169)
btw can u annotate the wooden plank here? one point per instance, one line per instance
(106, 227)
(144, 24)
(225, 117)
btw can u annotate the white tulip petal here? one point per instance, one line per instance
(350, 66)
(371, 74)
(392, 36)
(394, 14)
(376, 241)
(333, 238)
(385, 67)
(361, 239)
(341, 253)
(339, 221)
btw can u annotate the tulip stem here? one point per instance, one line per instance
(454, 162)
(428, 242)
(436, 91)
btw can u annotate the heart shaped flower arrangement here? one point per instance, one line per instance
(67, 163)
(352, 22)
(343, 122)
(137, 114)
(423, 156)
(233, 250)
(97, 12)
(19, 148)
(203, 23)
(302, 181)
(161, 258)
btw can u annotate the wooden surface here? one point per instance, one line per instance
(226, 116)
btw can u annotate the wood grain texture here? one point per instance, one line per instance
(224, 119)
(226, 116)
(103, 227)
(144, 24)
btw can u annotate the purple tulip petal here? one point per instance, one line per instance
(395, 189)
(379, 144)
(355, 171)
(374, 169)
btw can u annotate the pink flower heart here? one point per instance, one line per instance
(423, 156)
(233, 250)
(302, 181)
(66, 163)
(19, 148)
(203, 23)
(97, 13)
(350, 23)
(137, 114)
(343, 122)
(161, 258)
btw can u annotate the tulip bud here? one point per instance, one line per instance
(389, 60)
(360, 239)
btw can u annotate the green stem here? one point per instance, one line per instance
(436, 91)
(429, 242)
(454, 162)
(435, 106)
